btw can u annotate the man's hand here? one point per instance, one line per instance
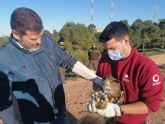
(97, 82)
(110, 110)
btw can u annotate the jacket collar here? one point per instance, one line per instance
(16, 43)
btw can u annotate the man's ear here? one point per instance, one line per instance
(15, 35)
(126, 39)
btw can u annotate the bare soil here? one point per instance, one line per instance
(158, 59)
(77, 95)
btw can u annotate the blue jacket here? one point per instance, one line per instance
(35, 78)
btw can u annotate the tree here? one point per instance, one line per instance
(78, 37)
(125, 22)
(48, 33)
(56, 36)
(137, 25)
(91, 28)
(162, 32)
(136, 29)
(3, 40)
(151, 33)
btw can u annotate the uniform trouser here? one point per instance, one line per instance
(60, 119)
(62, 73)
(93, 64)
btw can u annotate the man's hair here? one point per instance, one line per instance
(115, 30)
(24, 19)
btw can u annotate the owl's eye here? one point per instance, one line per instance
(106, 92)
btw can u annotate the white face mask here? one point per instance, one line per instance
(115, 55)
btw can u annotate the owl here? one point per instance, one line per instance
(110, 92)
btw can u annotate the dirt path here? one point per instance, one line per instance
(158, 59)
(77, 95)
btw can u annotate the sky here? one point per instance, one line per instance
(55, 13)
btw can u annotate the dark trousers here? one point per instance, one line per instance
(93, 64)
(59, 120)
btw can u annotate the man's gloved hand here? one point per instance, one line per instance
(111, 109)
(97, 82)
(4, 91)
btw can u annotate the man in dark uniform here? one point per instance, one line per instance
(62, 70)
(93, 56)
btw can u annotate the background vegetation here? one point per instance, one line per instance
(146, 36)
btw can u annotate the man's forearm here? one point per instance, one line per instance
(134, 108)
(83, 71)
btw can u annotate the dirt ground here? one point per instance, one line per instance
(159, 59)
(78, 92)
